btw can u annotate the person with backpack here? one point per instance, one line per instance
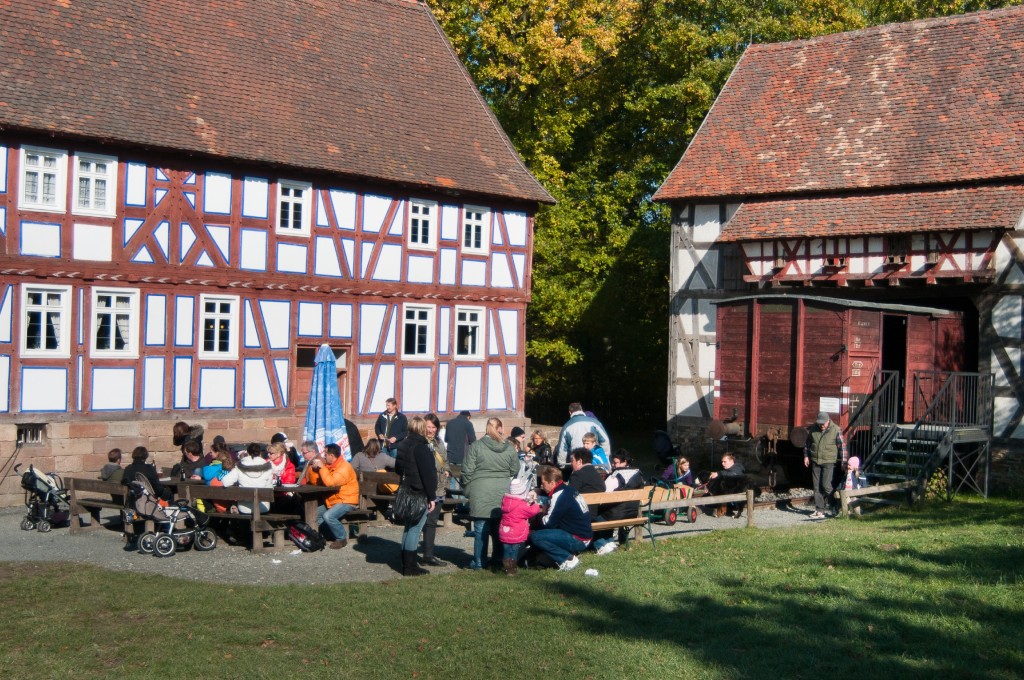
(624, 477)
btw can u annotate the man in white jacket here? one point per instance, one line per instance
(571, 436)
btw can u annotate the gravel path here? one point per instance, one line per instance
(373, 560)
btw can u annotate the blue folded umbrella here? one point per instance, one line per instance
(325, 423)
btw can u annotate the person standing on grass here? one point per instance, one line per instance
(571, 436)
(825, 448)
(415, 463)
(391, 426)
(567, 529)
(490, 465)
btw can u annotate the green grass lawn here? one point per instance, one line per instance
(933, 592)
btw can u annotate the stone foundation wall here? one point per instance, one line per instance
(79, 448)
(1007, 469)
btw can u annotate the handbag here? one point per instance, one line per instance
(408, 507)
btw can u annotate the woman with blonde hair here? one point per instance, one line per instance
(490, 465)
(415, 463)
(540, 447)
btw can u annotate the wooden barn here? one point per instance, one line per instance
(195, 196)
(847, 237)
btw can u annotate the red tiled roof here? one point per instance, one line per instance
(991, 207)
(926, 102)
(361, 88)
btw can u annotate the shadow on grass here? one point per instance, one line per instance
(807, 632)
(944, 599)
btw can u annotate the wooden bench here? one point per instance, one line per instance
(642, 518)
(259, 522)
(371, 497)
(104, 496)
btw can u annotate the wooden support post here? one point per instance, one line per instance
(844, 503)
(750, 508)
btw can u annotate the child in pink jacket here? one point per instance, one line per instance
(517, 507)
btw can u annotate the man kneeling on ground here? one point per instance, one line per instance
(334, 470)
(567, 531)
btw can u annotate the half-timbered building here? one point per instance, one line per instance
(851, 208)
(195, 196)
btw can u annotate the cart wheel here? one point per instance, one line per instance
(147, 543)
(164, 545)
(671, 517)
(772, 477)
(43, 526)
(693, 515)
(205, 540)
(27, 524)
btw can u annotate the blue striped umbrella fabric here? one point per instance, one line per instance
(324, 421)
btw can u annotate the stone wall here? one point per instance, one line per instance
(79, 448)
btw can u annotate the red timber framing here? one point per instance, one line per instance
(177, 270)
(958, 256)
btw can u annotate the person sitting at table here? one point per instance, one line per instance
(334, 470)
(281, 466)
(112, 471)
(183, 432)
(213, 474)
(139, 465)
(372, 459)
(252, 472)
(191, 462)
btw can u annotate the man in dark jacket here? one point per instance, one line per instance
(586, 478)
(391, 426)
(732, 479)
(458, 435)
(825, 448)
(567, 530)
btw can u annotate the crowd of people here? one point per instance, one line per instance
(521, 494)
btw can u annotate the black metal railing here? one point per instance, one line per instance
(876, 417)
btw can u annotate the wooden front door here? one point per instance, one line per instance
(305, 360)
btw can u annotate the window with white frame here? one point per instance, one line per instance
(218, 318)
(294, 207)
(43, 178)
(46, 321)
(476, 233)
(115, 322)
(418, 332)
(469, 332)
(422, 225)
(95, 184)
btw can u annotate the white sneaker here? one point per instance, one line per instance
(608, 548)
(569, 564)
(817, 515)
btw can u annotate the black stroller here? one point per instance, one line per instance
(176, 526)
(47, 500)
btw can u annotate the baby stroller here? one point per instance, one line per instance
(47, 500)
(177, 526)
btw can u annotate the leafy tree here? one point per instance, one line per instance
(601, 97)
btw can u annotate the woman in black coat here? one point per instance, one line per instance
(139, 466)
(415, 463)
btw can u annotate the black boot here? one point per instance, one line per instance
(409, 567)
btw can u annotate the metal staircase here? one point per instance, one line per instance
(952, 430)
